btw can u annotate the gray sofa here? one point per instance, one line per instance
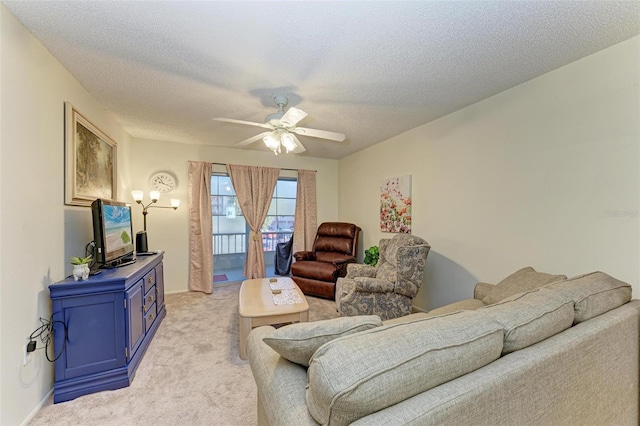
(546, 351)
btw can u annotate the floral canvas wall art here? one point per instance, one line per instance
(395, 205)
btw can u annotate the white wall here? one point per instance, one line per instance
(38, 233)
(544, 174)
(168, 230)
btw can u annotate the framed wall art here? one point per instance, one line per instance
(395, 205)
(90, 161)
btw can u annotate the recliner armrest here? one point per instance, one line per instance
(344, 260)
(304, 255)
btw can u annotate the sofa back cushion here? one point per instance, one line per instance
(593, 294)
(520, 281)
(529, 318)
(353, 376)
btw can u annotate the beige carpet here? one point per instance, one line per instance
(190, 375)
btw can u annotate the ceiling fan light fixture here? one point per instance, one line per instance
(288, 142)
(272, 141)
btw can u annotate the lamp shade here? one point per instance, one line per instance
(175, 203)
(154, 195)
(137, 195)
(288, 142)
(272, 141)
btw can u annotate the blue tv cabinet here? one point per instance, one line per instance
(110, 320)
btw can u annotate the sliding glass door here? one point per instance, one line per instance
(231, 233)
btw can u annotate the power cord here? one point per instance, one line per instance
(90, 250)
(46, 334)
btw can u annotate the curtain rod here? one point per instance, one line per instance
(281, 168)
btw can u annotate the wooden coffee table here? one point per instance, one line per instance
(256, 306)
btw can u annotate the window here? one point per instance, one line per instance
(278, 226)
(229, 226)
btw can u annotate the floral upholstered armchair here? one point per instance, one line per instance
(388, 288)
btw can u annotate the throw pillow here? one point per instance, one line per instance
(298, 342)
(523, 280)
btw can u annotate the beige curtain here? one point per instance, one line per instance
(305, 224)
(200, 228)
(254, 188)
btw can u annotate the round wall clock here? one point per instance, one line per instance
(163, 181)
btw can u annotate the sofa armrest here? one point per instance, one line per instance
(281, 383)
(360, 270)
(481, 290)
(373, 285)
(304, 255)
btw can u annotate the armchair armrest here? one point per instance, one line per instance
(373, 285)
(304, 255)
(361, 270)
(481, 290)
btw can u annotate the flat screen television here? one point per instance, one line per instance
(112, 232)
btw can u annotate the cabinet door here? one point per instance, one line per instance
(160, 285)
(94, 341)
(135, 318)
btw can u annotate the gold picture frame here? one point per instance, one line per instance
(90, 161)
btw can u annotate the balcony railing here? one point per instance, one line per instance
(237, 243)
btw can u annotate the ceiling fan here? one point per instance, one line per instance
(282, 126)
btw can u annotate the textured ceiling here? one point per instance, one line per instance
(370, 70)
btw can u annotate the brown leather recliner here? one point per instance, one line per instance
(317, 271)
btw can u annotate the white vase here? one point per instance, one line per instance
(80, 272)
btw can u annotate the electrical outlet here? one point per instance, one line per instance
(26, 355)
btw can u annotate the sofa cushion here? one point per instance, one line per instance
(531, 317)
(297, 342)
(593, 294)
(356, 375)
(520, 281)
(461, 305)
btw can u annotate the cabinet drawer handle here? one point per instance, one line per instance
(144, 308)
(151, 317)
(150, 280)
(152, 298)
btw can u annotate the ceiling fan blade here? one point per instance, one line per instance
(322, 134)
(292, 116)
(249, 123)
(252, 139)
(299, 147)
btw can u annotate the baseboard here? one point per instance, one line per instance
(38, 407)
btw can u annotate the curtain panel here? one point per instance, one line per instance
(200, 228)
(254, 188)
(305, 223)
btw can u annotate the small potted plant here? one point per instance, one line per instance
(80, 267)
(371, 255)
